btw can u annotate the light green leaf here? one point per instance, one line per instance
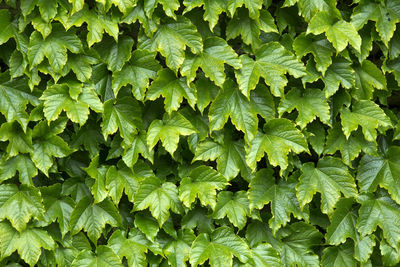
(213, 8)
(6, 32)
(339, 32)
(253, 6)
(138, 146)
(368, 76)
(265, 256)
(19, 205)
(92, 218)
(202, 183)
(231, 103)
(115, 54)
(136, 72)
(282, 196)
(279, 138)
(219, 248)
(158, 197)
(234, 206)
(173, 89)
(216, 53)
(168, 131)
(21, 163)
(272, 62)
(339, 72)
(28, 243)
(379, 211)
(368, 115)
(121, 180)
(169, 6)
(330, 178)
(309, 104)
(339, 256)
(105, 257)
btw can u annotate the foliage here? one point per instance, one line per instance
(199, 132)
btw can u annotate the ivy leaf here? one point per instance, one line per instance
(320, 48)
(97, 24)
(216, 52)
(202, 183)
(231, 103)
(58, 208)
(105, 257)
(169, 6)
(330, 178)
(379, 211)
(116, 54)
(309, 104)
(383, 171)
(207, 91)
(123, 114)
(14, 96)
(343, 225)
(218, 248)
(368, 76)
(272, 62)
(28, 243)
(93, 217)
(234, 206)
(54, 47)
(58, 98)
(230, 156)
(280, 136)
(385, 14)
(21, 163)
(339, 32)
(172, 38)
(7, 31)
(265, 255)
(339, 72)
(339, 256)
(308, 8)
(349, 147)
(250, 29)
(173, 89)
(168, 131)
(212, 9)
(368, 115)
(19, 205)
(137, 72)
(282, 196)
(178, 251)
(120, 180)
(132, 150)
(158, 197)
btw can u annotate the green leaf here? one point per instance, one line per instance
(54, 47)
(309, 104)
(121, 180)
(320, 48)
(308, 8)
(105, 257)
(383, 171)
(173, 37)
(280, 136)
(272, 62)
(28, 243)
(253, 6)
(385, 14)
(234, 206)
(368, 77)
(7, 31)
(212, 8)
(379, 211)
(390, 255)
(282, 196)
(123, 114)
(339, 32)
(168, 131)
(97, 24)
(330, 178)
(132, 150)
(173, 89)
(368, 115)
(93, 217)
(339, 256)
(57, 98)
(178, 251)
(136, 72)
(19, 205)
(202, 183)
(216, 52)
(169, 7)
(116, 54)
(231, 103)
(218, 248)
(339, 72)
(21, 163)
(147, 224)
(265, 255)
(158, 197)
(14, 96)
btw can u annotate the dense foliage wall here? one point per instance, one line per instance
(199, 132)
